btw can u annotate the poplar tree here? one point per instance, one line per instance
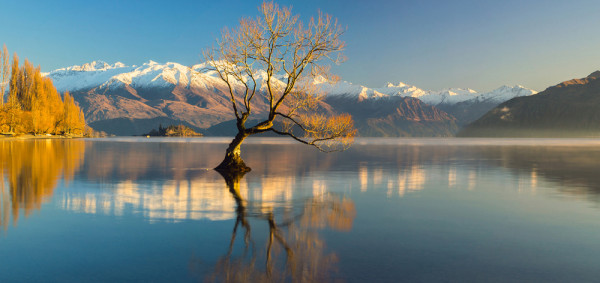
(26, 92)
(73, 121)
(4, 70)
(12, 109)
(40, 111)
(14, 80)
(54, 105)
(35, 106)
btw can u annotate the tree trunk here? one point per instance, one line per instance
(233, 163)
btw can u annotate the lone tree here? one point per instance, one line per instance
(273, 60)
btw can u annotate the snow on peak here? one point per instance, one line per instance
(516, 88)
(504, 87)
(507, 88)
(320, 80)
(154, 74)
(400, 84)
(85, 76)
(505, 93)
(151, 63)
(92, 66)
(432, 97)
(149, 74)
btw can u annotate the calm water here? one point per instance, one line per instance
(387, 210)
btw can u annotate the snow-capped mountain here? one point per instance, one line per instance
(153, 74)
(86, 76)
(150, 74)
(198, 98)
(431, 97)
(168, 91)
(568, 109)
(463, 103)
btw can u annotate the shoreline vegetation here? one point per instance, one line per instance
(33, 107)
(173, 131)
(5, 137)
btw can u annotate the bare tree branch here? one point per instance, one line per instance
(278, 56)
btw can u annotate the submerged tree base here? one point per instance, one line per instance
(232, 166)
(233, 163)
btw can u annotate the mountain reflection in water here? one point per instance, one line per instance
(300, 215)
(173, 182)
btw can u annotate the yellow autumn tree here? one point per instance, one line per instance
(34, 105)
(73, 120)
(54, 105)
(4, 70)
(42, 120)
(11, 111)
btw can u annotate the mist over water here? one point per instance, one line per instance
(387, 210)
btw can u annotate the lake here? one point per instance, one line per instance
(386, 210)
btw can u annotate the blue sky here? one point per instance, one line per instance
(430, 44)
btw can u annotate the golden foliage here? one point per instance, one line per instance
(33, 169)
(180, 131)
(278, 57)
(295, 251)
(337, 214)
(72, 121)
(174, 131)
(34, 105)
(4, 70)
(327, 133)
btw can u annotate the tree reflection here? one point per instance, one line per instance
(30, 171)
(293, 250)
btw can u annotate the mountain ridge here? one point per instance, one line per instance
(568, 109)
(171, 69)
(199, 97)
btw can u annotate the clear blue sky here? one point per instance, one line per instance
(431, 44)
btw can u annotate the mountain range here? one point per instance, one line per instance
(568, 109)
(131, 100)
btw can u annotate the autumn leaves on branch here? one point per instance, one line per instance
(285, 55)
(33, 105)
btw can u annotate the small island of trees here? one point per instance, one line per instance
(173, 131)
(33, 105)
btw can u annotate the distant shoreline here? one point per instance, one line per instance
(4, 137)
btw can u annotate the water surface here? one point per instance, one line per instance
(387, 210)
